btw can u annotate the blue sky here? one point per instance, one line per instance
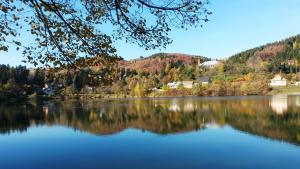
(235, 25)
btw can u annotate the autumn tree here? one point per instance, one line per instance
(66, 33)
(80, 80)
(139, 90)
(67, 80)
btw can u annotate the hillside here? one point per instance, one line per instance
(246, 73)
(158, 61)
(274, 57)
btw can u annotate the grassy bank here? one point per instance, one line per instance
(285, 90)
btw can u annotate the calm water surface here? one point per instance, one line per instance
(173, 133)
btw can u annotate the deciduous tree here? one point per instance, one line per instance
(64, 32)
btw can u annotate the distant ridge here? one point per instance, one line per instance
(270, 48)
(158, 61)
(272, 57)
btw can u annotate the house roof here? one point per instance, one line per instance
(204, 79)
(174, 83)
(278, 77)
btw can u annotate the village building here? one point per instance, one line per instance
(297, 83)
(184, 84)
(210, 64)
(188, 84)
(174, 85)
(278, 81)
(203, 80)
(50, 89)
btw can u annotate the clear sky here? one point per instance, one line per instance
(235, 25)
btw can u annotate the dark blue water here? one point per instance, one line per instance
(76, 138)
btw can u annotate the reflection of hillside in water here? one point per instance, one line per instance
(275, 118)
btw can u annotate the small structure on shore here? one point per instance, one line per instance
(50, 89)
(188, 84)
(278, 81)
(174, 85)
(184, 84)
(204, 80)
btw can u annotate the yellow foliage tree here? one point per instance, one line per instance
(139, 90)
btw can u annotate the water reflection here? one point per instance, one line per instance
(279, 103)
(276, 117)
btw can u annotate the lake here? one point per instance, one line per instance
(165, 133)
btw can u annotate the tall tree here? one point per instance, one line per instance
(64, 32)
(80, 80)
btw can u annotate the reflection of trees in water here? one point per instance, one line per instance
(160, 116)
(19, 117)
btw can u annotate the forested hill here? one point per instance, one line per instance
(158, 61)
(274, 57)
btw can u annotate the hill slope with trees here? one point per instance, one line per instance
(158, 61)
(279, 56)
(246, 73)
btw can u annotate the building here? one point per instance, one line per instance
(185, 84)
(173, 85)
(277, 81)
(210, 64)
(188, 84)
(297, 83)
(50, 89)
(204, 80)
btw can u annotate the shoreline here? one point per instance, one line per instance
(95, 97)
(165, 97)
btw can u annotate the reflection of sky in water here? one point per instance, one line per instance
(231, 132)
(213, 125)
(58, 147)
(168, 133)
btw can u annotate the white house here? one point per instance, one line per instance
(210, 64)
(297, 83)
(173, 85)
(185, 84)
(278, 80)
(188, 84)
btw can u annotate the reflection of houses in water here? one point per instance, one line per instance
(205, 108)
(297, 101)
(179, 105)
(279, 103)
(294, 100)
(213, 125)
(46, 110)
(188, 107)
(174, 106)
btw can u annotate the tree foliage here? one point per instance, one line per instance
(281, 56)
(63, 32)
